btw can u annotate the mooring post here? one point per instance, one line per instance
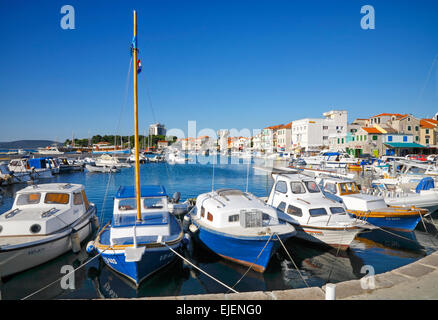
(330, 291)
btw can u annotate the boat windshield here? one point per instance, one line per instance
(28, 198)
(148, 203)
(311, 186)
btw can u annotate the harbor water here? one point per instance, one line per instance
(376, 251)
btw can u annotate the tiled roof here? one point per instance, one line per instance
(287, 126)
(274, 127)
(389, 114)
(371, 130)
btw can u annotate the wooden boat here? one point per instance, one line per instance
(316, 218)
(45, 221)
(371, 208)
(143, 235)
(239, 227)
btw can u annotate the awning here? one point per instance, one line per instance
(405, 145)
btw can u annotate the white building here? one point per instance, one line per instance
(313, 134)
(157, 129)
(284, 138)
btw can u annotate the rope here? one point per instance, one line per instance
(43, 288)
(292, 260)
(250, 267)
(186, 260)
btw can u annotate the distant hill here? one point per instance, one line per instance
(27, 144)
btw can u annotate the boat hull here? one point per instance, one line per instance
(153, 260)
(242, 250)
(401, 222)
(336, 238)
(17, 260)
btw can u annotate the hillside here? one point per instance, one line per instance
(27, 144)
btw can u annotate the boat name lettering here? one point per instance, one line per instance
(110, 260)
(35, 251)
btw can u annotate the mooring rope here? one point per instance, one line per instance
(199, 269)
(50, 284)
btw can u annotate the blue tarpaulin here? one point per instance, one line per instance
(425, 184)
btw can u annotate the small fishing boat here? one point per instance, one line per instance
(8, 177)
(36, 167)
(103, 169)
(137, 248)
(371, 208)
(112, 161)
(143, 236)
(316, 218)
(45, 221)
(424, 196)
(238, 226)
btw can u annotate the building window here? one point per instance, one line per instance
(325, 128)
(416, 138)
(389, 138)
(374, 138)
(409, 128)
(416, 128)
(427, 140)
(324, 138)
(405, 138)
(427, 131)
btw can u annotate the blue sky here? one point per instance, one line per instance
(225, 64)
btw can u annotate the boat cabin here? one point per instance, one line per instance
(44, 209)
(225, 208)
(301, 200)
(154, 214)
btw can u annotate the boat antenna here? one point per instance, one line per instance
(137, 162)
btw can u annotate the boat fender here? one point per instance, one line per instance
(186, 222)
(90, 247)
(193, 228)
(95, 221)
(75, 242)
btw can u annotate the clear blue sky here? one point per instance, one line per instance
(226, 64)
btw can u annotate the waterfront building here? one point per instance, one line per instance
(269, 138)
(162, 144)
(284, 138)
(257, 142)
(429, 132)
(406, 124)
(157, 129)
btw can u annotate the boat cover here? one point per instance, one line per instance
(425, 184)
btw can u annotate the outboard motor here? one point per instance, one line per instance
(176, 196)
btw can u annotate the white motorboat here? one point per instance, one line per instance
(103, 169)
(238, 226)
(176, 158)
(141, 157)
(424, 196)
(49, 150)
(45, 221)
(9, 177)
(371, 208)
(111, 161)
(35, 167)
(316, 218)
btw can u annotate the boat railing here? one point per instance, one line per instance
(12, 213)
(49, 213)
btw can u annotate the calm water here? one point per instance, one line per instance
(317, 265)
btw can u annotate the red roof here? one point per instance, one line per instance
(371, 130)
(274, 127)
(428, 123)
(389, 115)
(287, 126)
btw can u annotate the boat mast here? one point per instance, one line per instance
(137, 163)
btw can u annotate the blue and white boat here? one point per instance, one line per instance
(137, 249)
(143, 235)
(238, 226)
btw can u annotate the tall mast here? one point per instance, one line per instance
(137, 163)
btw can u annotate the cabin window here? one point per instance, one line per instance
(297, 187)
(57, 198)
(337, 210)
(77, 199)
(28, 198)
(233, 218)
(312, 187)
(153, 203)
(330, 187)
(295, 211)
(281, 186)
(209, 216)
(317, 212)
(127, 204)
(282, 206)
(202, 212)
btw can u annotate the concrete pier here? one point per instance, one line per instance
(415, 281)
